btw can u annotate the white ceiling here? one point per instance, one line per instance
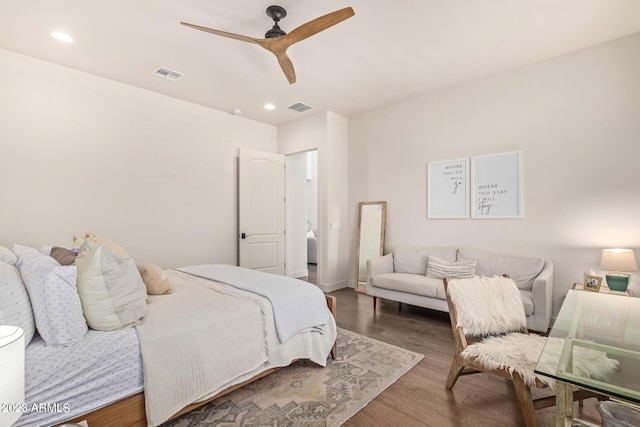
(389, 51)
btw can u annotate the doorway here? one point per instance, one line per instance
(302, 214)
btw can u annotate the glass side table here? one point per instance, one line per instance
(599, 321)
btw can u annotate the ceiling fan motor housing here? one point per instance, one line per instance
(276, 13)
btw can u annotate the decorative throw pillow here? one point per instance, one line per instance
(438, 268)
(155, 279)
(111, 290)
(56, 305)
(63, 255)
(112, 246)
(7, 256)
(15, 306)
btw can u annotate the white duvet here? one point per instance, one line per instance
(297, 306)
(191, 341)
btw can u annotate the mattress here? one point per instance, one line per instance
(64, 382)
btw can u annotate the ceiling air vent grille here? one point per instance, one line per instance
(167, 74)
(300, 107)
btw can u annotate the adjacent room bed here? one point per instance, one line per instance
(218, 328)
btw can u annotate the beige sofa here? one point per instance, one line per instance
(403, 276)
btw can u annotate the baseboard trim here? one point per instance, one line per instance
(297, 274)
(330, 287)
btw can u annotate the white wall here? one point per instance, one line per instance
(328, 133)
(82, 153)
(296, 216)
(333, 163)
(312, 189)
(576, 119)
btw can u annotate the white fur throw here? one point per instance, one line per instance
(520, 353)
(487, 305)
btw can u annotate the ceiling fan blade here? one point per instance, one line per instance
(316, 25)
(260, 42)
(278, 45)
(287, 67)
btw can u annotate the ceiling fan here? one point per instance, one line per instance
(277, 41)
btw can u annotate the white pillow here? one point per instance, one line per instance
(111, 290)
(24, 254)
(15, 307)
(55, 301)
(7, 256)
(438, 268)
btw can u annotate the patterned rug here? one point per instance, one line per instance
(305, 394)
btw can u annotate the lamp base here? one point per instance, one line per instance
(617, 282)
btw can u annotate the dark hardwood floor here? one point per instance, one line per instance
(420, 397)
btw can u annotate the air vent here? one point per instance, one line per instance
(300, 107)
(167, 74)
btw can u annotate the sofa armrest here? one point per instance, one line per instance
(543, 298)
(379, 265)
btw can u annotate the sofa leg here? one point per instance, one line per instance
(375, 300)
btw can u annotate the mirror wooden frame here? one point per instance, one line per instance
(359, 240)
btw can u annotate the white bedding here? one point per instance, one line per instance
(98, 370)
(297, 306)
(191, 342)
(243, 325)
(106, 367)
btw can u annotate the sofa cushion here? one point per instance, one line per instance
(527, 302)
(523, 270)
(410, 283)
(412, 259)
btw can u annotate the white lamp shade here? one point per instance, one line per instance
(11, 372)
(618, 260)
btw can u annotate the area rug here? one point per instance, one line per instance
(305, 394)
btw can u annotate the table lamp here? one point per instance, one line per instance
(11, 373)
(618, 261)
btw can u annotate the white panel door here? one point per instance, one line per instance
(261, 209)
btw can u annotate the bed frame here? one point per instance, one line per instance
(130, 412)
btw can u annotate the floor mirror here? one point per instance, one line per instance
(370, 240)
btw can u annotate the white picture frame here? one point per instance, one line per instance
(448, 189)
(496, 185)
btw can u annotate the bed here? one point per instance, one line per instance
(184, 353)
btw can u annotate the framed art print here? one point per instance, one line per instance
(496, 185)
(448, 189)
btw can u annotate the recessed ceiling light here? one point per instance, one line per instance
(269, 107)
(63, 37)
